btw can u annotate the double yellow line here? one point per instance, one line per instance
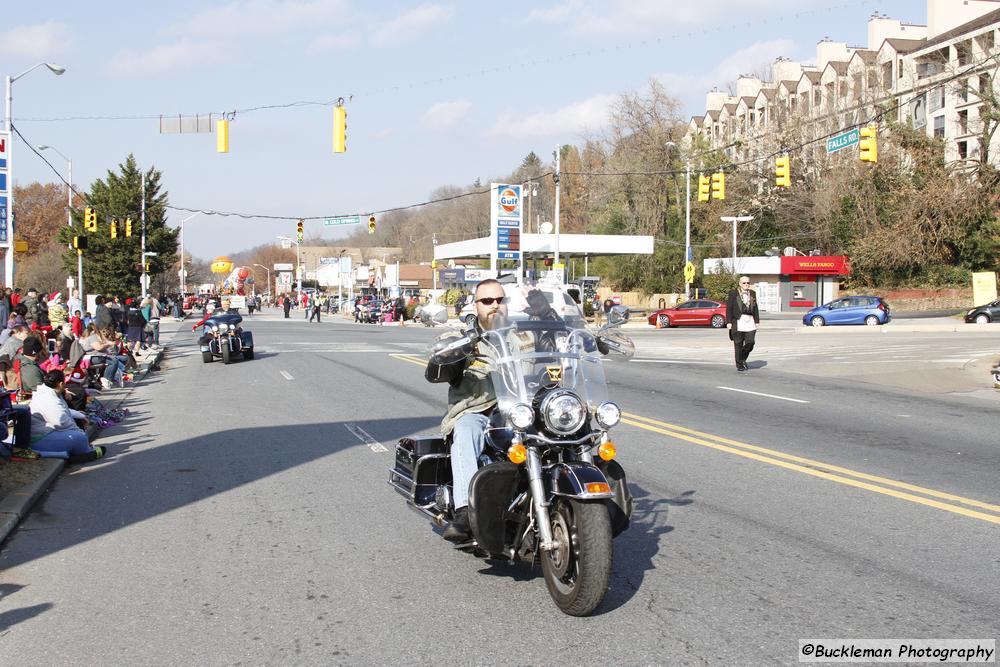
(860, 480)
(948, 502)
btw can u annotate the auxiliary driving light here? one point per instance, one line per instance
(517, 454)
(521, 416)
(607, 451)
(608, 414)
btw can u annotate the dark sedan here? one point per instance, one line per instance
(984, 314)
(696, 313)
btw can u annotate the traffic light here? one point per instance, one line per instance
(222, 136)
(300, 231)
(128, 227)
(80, 242)
(114, 228)
(719, 185)
(90, 219)
(145, 267)
(869, 144)
(783, 172)
(434, 263)
(704, 188)
(371, 224)
(339, 129)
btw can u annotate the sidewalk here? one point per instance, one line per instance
(18, 502)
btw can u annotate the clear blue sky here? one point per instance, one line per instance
(443, 92)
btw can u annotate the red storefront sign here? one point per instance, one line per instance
(834, 265)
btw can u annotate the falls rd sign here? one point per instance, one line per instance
(841, 141)
(342, 220)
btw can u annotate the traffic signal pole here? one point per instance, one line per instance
(143, 222)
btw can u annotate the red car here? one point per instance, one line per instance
(697, 312)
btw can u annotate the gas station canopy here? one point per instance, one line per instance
(570, 245)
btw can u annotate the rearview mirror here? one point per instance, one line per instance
(618, 316)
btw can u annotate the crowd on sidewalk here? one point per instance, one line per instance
(55, 360)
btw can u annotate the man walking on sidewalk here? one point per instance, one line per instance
(743, 317)
(286, 305)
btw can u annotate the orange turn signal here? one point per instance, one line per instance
(517, 454)
(598, 487)
(607, 451)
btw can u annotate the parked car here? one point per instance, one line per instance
(869, 310)
(984, 314)
(697, 312)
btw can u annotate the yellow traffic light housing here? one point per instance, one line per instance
(114, 228)
(90, 219)
(371, 224)
(128, 227)
(222, 136)
(869, 144)
(704, 188)
(300, 231)
(80, 242)
(339, 129)
(719, 185)
(783, 172)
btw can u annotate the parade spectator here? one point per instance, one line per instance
(286, 304)
(103, 317)
(55, 428)
(5, 305)
(76, 323)
(136, 322)
(74, 303)
(15, 297)
(31, 374)
(31, 307)
(151, 331)
(8, 353)
(16, 318)
(57, 310)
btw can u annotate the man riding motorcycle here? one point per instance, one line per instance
(470, 399)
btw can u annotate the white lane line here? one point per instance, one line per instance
(677, 361)
(287, 375)
(364, 437)
(757, 393)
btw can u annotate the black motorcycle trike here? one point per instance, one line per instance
(549, 487)
(225, 339)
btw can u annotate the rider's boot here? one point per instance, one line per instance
(459, 530)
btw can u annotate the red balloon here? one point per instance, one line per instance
(243, 273)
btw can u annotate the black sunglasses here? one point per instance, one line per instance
(488, 300)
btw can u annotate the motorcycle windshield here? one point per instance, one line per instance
(536, 355)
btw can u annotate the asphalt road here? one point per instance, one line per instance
(244, 517)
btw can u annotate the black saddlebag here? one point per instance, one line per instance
(422, 464)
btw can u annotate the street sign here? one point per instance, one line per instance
(286, 244)
(689, 272)
(841, 141)
(342, 220)
(4, 143)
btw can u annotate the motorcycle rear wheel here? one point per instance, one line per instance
(578, 570)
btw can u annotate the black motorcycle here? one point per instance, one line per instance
(550, 488)
(224, 338)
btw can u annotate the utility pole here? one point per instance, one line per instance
(555, 261)
(687, 229)
(143, 223)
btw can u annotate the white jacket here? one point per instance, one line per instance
(49, 412)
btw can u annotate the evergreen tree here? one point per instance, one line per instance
(113, 266)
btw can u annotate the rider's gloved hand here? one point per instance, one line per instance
(538, 305)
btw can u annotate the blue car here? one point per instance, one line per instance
(869, 310)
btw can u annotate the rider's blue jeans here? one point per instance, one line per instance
(466, 446)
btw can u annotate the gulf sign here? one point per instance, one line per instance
(509, 201)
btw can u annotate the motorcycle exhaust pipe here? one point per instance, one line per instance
(436, 518)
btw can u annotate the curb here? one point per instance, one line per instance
(16, 506)
(890, 329)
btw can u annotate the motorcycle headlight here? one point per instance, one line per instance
(215, 327)
(521, 416)
(608, 414)
(563, 412)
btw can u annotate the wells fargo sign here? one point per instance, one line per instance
(835, 265)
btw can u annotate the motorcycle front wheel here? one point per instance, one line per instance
(225, 352)
(578, 570)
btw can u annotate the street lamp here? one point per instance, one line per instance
(9, 255)
(268, 277)
(182, 273)
(69, 216)
(735, 219)
(687, 220)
